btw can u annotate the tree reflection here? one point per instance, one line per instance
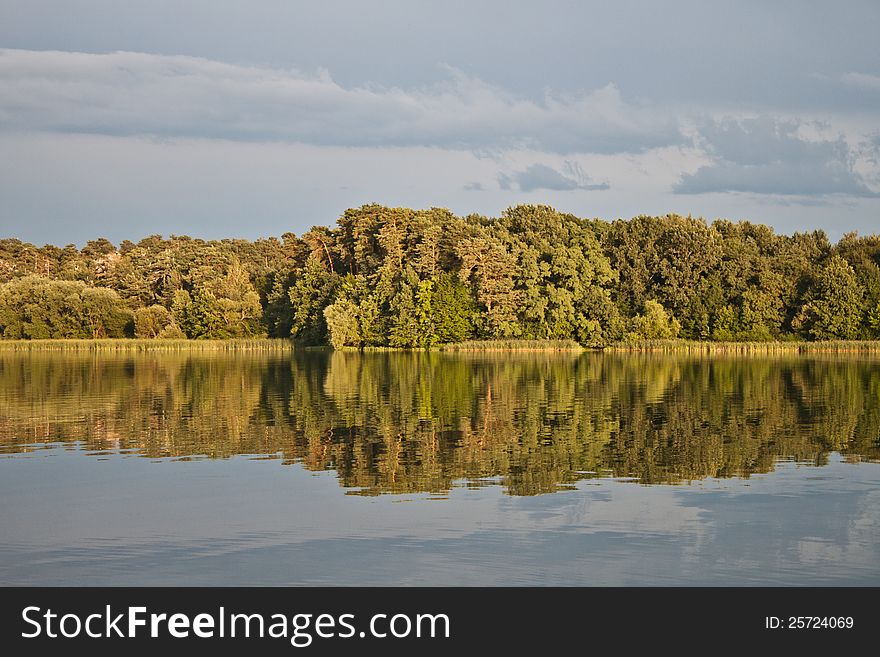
(421, 421)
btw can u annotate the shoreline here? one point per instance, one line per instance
(136, 344)
(473, 346)
(787, 347)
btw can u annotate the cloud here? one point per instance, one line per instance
(69, 188)
(473, 187)
(139, 94)
(870, 149)
(765, 155)
(863, 80)
(541, 176)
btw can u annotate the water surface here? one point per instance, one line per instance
(415, 468)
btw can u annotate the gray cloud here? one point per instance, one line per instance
(769, 57)
(863, 80)
(770, 156)
(125, 93)
(473, 187)
(541, 176)
(870, 149)
(217, 120)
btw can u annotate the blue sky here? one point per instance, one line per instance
(248, 119)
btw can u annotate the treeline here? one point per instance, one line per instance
(395, 277)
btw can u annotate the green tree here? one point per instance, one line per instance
(665, 259)
(863, 255)
(835, 309)
(343, 325)
(654, 323)
(874, 321)
(412, 310)
(453, 310)
(313, 290)
(561, 274)
(154, 322)
(724, 324)
(238, 305)
(103, 313)
(418, 277)
(33, 307)
(406, 329)
(490, 268)
(760, 315)
(198, 314)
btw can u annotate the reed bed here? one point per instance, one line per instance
(513, 345)
(790, 347)
(269, 344)
(127, 344)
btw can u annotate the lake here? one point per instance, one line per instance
(319, 467)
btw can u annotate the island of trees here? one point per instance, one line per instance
(396, 277)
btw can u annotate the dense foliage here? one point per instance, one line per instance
(395, 277)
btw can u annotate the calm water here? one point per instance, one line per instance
(435, 469)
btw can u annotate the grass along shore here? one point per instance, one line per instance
(707, 347)
(268, 344)
(133, 344)
(279, 344)
(513, 345)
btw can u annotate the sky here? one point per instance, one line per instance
(250, 119)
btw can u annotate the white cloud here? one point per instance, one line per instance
(126, 143)
(863, 80)
(126, 93)
(765, 155)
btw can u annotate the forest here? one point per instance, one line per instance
(397, 277)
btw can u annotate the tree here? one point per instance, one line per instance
(835, 308)
(453, 310)
(489, 267)
(33, 307)
(103, 313)
(313, 290)
(863, 255)
(198, 314)
(561, 274)
(724, 324)
(414, 278)
(874, 320)
(406, 329)
(665, 259)
(153, 322)
(342, 323)
(654, 323)
(277, 309)
(238, 304)
(760, 315)
(412, 311)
